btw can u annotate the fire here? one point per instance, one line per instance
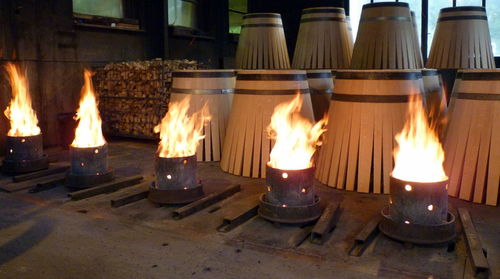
(296, 137)
(419, 156)
(88, 133)
(23, 120)
(180, 133)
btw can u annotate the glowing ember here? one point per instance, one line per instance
(296, 137)
(23, 120)
(419, 156)
(179, 132)
(88, 133)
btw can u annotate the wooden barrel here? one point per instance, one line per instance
(435, 99)
(367, 110)
(386, 38)
(262, 43)
(472, 143)
(461, 40)
(320, 87)
(257, 93)
(323, 41)
(418, 53)
(215, 89)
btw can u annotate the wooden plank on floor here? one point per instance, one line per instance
(53, 169)
(241, 212)
(19, 186)
(108, 187)
(364, 238)
(300, 236)
(475, 249)
(325, 224)
(205, 202)
(139, 192)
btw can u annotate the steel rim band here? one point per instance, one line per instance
(326, 10)
(262, 15)
(430, 73)
(203, 74)
(319, 75)
(370, 98)
(262, 25)
(272, 77)
(448, 18)
(380, 18)
(463, 9)
(314, 19)
(271, 92)
(201, 91)
(318, 91)
(379, 75)
(476, 96)
(385, 4)
(479, 76)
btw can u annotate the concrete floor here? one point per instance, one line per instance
(45, 235)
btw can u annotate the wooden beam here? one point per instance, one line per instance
(364, 238)
(19, 186)
(108, 187)
(139, 192)
(325, 224)
(475, 249)
(53, 169)
(242, 212)
(205, 202)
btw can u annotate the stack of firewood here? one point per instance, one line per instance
(133, 96)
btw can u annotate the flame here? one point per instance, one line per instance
(296, 137)
(419, 156)
(179, 132)
(23, 120)
(88, 133)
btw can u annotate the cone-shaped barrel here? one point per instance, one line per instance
(386, 38)
(472, 142)
(215, 89)
(323, 41)
(262, 43)
(247, 145)
(435, 99)
(321, 87)
(461, 40)
(367, 110)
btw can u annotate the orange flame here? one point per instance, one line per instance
(89, 132)
(179, 132)
(419, 156)
(296, 137)
(23, 120)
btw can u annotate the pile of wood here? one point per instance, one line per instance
(133, 96)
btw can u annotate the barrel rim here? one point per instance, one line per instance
(463, 9)
(430, 72)
(462, 17)
(272, 77)
(386, 4)
(379, 74)
(270, 71)
(479, 74)
(262, 15)
(203, 74)
(318, 10)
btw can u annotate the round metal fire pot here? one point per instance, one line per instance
(175, 181)
(418, 202)
(417, 233)
(290, 196)
(89, 167)
(25, 154)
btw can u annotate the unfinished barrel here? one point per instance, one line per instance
(386, 38)
(349, 31)
(418, 53)
(213, 88)
(461, 40)
(257, 93)
(323, 40)
(472, 143)
(262, 43)
(367, 110)
(320, 87)
(435, 99)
